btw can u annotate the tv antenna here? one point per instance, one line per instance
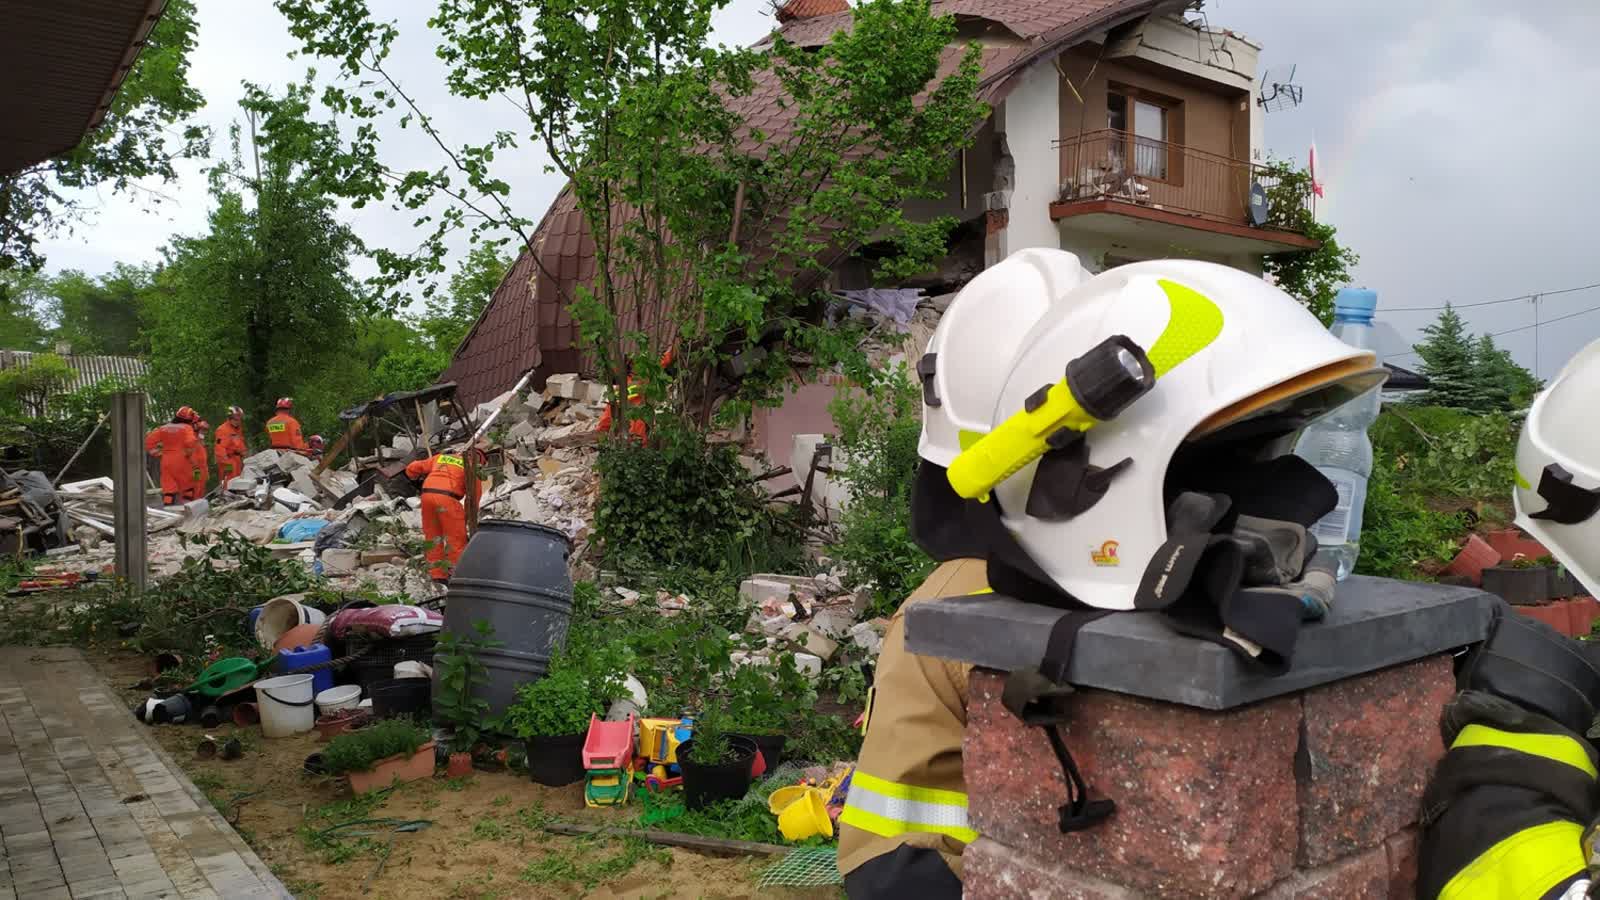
(1278, 90)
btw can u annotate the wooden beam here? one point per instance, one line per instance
(717, 846)
(333, 452)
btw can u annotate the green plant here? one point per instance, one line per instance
(358, 751)
(460, 673)
(684, 503)
(879, 426)
(1311, 276)
(712, 731)
(582, 681)
(591, 870)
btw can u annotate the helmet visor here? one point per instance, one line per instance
(1293, 404)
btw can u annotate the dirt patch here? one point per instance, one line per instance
(485, 840)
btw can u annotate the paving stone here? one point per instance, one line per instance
(99, 886)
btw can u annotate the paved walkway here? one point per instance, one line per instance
(91, 807)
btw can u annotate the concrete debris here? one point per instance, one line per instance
(592, 392)
(526, 504)
(290, 462)
(549, 466)
(403, 443)
(290, 498)
(564, 386)
(243, 484)
(670, 605)
(811, 640)
(834, 622)
(414, 502)
(412, 519)
(521, 432)
(340, 561)
(629, 598)
(808, 664)
(266, 459)
(303, 484)
(868, 636)
(382, 555)
(88, 538)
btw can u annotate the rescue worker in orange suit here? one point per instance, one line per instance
(314, 446)
(229, 447)
(283, 429)
(444, 517)
(636, 428)
(173, 444)
(202, 465)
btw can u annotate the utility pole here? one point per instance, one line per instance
(128, 475)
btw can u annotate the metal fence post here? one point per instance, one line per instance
(128, 476)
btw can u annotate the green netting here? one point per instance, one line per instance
(805, 867)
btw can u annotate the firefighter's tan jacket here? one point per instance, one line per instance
(908, 786)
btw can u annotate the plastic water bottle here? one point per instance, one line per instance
(1338, 445)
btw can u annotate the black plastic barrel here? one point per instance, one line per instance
(512, 575)
(409, 697)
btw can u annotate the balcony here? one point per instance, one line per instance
(1135, 187)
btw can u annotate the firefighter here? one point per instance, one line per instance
(1511, 810)
(202, 466)
(444, 517)
(314, 446)
(230, 449)
(283, 429)
(173, 443)
(1096, 485)
(636, 428)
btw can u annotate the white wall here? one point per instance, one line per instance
(1030, 119)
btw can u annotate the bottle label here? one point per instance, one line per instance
(1333, 529)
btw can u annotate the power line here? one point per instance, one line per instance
(1540, 324)
(1570, 290)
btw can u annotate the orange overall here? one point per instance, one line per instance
(444, 519)
(283, 433)
(636, 427)
(230, 451)
(172, 443)
(202, 468)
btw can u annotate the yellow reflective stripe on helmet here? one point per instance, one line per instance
(1526, 864)
(446, 459)
(887, 809)
(1193, 324)
(1556, 747)
(1521, 482)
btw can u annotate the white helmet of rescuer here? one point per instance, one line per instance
(971, 350)
(1236, 362)
(1558, 468)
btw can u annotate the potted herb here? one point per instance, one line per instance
(716, 764)
(552, 716)
(458, 674)
(374, 758)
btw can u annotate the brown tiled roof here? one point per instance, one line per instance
(522, 327)
(806, 9)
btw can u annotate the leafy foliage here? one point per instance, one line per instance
(878, 432)
(357, 751)
(1502, 384)
(1448, 362)
(460, 673)
(582, 681)
(1311, 276)
(99, 314)
(136, 142)
(450, 316)
(26, 389)
(46, 442)
(684, 503)
(711, 745)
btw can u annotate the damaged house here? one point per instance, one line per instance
(1120, 130)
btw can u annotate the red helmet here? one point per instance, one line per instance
(186, 414)
(286, 403)
(235, 412)
(315, 441)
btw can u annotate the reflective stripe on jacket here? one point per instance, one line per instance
(908, 787)
(1505, 816)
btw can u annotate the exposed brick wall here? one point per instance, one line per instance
(1307, 796)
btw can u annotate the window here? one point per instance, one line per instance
(1143, 134)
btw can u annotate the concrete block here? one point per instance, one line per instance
(303, 483)
(243, 484)
(403, 443)
(1206, 801)
(572, 435)
(292, 462)
(266, 459)
(591, 392)
(1375, 623)
(808, 664)
(340, 561)
(526, 503)
(1370, 745)
(521, 432)
(811, 640)
(564, 385)
(833, 623)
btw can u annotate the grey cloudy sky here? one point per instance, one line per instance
(1454, 138)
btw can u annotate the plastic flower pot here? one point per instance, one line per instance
(1519, 587)
(332, 725)
(394, 769)
(556, 761)
(705, 785)
(770, 745)
(402, 697)
(459, 766)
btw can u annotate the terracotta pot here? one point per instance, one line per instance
(1553, 614)
(459, 766)
(298, 636)
(331, 726)
(1583, 611)
(1510, 542)
(397, 768)
(1475, 556)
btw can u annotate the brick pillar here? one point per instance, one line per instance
(1309, 795)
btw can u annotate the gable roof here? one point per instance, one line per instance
(91, 369)
(526, 324)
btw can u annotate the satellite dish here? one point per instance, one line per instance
(1278, 90)
(1259, 208)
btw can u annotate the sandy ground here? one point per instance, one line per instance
(485, 840)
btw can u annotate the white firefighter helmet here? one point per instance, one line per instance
(1558, 468)
(970, 353)
(1233, 356)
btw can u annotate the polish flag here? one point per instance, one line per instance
(1316, 186)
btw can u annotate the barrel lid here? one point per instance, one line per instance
(525, 526)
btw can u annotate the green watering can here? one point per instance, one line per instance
(226, 676)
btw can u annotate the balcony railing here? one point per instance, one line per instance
(1119, 166)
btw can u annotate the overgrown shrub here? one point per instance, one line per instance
(357, 751)
(46, 442)
(878, 431)
(681, 502)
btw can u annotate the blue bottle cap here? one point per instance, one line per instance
(1355, 303)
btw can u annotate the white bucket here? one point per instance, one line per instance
(410, 668)
(281, 614)
(285, 705)
(338, 699)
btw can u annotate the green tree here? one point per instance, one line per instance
(100, 314)
(724, 226)
(263, 305)
(449, 317)
(137, 141)
(1503, 385)
(22, 326)
(1311, 276)
(1447, 362)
